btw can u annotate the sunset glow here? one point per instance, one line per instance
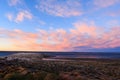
(60, 25)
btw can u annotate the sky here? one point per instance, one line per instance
(60, 25)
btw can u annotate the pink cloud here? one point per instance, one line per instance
(65, 9)
(60, 39)
(14, 2)
(20, 16)
(105, 3)
(85, 29)
(23, 15)
(113, 13)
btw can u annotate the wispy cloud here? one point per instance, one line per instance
(63, 9)
(14, 2)
(112, 13)
(21, 16)
(41, 22)
(9, 16)
(104, 3)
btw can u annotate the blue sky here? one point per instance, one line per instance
(60, 25)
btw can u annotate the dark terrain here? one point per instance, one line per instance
(80, 69)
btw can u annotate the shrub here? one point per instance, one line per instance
(40, 75)
(13, 76)
(51, 76)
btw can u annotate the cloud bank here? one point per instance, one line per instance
(77, 38)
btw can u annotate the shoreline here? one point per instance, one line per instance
(81, 59)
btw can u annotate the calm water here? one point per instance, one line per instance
(75, 54)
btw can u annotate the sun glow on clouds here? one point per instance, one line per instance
(82, 35)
